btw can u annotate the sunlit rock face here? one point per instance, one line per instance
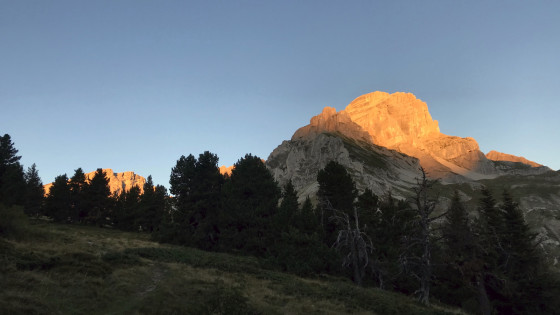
(118, 182)
(403, 123)
(499, 156)
(226, 170)
(392, 119)
(331, 121)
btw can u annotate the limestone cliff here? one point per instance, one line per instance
(403, 123)
(371, 166)
(118, 182)
(499, 156)
(226, 170)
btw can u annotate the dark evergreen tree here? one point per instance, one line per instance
(58, 203)
(97, 199)
(489, 227)
(182, 185)
(288, 208)
(12, 181)
(391, 227)
(77, 188)
(367, 206)
(336, 191)
(196, 184)
(127, 210)
(251, 199)
(152, 206)
(206, 201)
(460, 262)
(34, 192)
(297, 245)
(336, 187)
(519, 261)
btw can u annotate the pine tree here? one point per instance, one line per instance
(336, 191)
(288, 208)
(77, 187)
(196, 184)
(152, 206)
(12, 181)
(367, 206)
(250, 202)
(127, 209)
(98, 201)
(390, 227)
(34, 192)
(519, 261)
(457, 277)
(58, 203)
(182, 185)
(489, 227)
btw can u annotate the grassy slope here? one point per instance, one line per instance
(76, 269)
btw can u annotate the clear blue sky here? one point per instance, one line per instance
(133, 85)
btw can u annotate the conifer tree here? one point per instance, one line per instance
(336, 191)
(390, 226)
(519, 261)
(462, 264)
(196, 184)
(98, 201)
(489, 227)
(128, 209)
(12, 181)
(152, 206)
(77, 189)
(58, 203)
(182, 185)
(288, 208)
(34, 192)
(250, 202)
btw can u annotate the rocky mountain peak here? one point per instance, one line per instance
(391, 119)
(401, 122)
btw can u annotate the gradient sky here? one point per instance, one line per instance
(133, 85)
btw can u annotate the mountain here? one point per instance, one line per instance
(399, 131)
(382, 139)
(402, 122)
(118, 182)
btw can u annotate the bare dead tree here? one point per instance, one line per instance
(424, 205)
(351, 240)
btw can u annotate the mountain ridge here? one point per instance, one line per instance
(118, 182)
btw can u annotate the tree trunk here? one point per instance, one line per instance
(485, 308)
(356, 265)
(426, 275)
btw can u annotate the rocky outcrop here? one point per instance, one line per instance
(331, 121)
(499, 156)
(226, 170)
(118, 182)
(371, 166)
